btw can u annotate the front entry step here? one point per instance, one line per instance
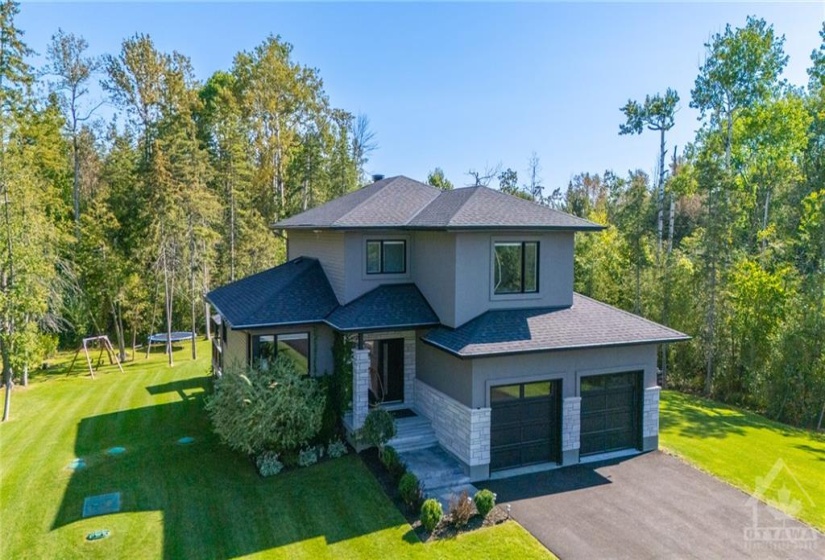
(412, 433)
(441, 476)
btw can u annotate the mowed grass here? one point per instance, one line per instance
(746, 449)
(187, 501)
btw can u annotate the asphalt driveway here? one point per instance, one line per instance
(650, 506)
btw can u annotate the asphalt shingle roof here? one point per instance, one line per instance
(481, 207)
(387, 203)
(295, 292)
(391, 306)
(586, 324)
(400, 202)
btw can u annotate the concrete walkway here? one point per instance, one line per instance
(439, 473)
(651, 506)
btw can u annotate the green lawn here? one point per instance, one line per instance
(194, 501)
(741, 447)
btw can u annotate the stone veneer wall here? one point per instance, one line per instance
(571, 424)
(462, 430)
(650, 412)
(360, 386)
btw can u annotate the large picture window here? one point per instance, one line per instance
(516, 267)
(295, 346)
(387, 257)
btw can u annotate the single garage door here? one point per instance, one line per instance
(611, 411)
(524, 424)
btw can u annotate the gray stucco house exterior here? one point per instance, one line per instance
(461, 307)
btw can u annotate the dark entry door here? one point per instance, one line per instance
(611, 410)
(391, 368)
(524, 424)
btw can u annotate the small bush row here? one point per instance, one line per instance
(270, 463)
(461, 509)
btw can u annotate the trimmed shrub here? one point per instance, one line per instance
(410, 490)
(392, 462)
(290, 458)
(336, 449)
(274, 409)
(461, 509)
(268, 464)
(431, 514)
(307, 457)
(378, 428)
(485, 501)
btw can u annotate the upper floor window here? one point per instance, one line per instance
(516, 267)
(387, 257)
(295, 346)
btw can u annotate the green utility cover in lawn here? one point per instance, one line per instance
(101, 505)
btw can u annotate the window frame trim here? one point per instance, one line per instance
(522, 293)
(381, 242)
(253, 337)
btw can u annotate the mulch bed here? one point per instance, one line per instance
(444, 530)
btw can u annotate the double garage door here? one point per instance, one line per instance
(525, 424)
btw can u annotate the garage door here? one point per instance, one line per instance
(611, 411)
(524, 424)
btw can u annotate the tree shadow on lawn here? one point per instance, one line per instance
(185, 388)
(817, 451)
(702, 418)
(213, 502)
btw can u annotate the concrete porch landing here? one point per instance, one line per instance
(441, 476)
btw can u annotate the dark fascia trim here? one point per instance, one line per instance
(465, 356)
(218, 309)
(492, 228)
(406, 326)
(275, 325)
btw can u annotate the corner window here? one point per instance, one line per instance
(516, 267)
(387, 257)
(295, 346)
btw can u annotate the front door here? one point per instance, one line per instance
(390, 370)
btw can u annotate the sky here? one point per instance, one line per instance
(463, 85)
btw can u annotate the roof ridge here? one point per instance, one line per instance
(620, 310)
(389, 181)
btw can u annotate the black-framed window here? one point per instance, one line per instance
(515, 267)
(386, 256)
(295, 346)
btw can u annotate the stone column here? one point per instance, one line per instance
(360, 386)
(650, 419)
(571, 415)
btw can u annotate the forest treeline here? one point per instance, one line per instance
(119, 224)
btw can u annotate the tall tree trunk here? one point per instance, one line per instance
(192, 285)
(668, 263)
(167, 293)
(660, 192)
(206, 314)
(764, 244)
(231, 230)
(7, 381)
(121, 342)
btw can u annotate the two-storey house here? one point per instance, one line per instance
(462, 310)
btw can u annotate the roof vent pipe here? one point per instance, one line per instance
(376, 178)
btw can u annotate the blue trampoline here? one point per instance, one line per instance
(162, 338)
(177, 336)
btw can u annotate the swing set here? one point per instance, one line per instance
(102, 341)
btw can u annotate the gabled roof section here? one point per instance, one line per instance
(586, 324)
(400, 202)
(295, 292)
(387, 307)
(483, 207)
(389, 202)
